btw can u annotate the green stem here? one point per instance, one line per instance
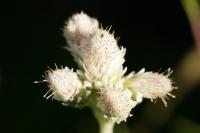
(192, 8)
(105, 126)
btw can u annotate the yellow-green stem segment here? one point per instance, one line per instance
(192, 8)
(105, 125)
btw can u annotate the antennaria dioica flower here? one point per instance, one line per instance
(100, 82)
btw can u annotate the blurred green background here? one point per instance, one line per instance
(157, 36)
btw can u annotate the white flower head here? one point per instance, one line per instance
(152, 85)
(63, 83)
(104, 59)
(115, 103)
(79, 29)
(101, 73)
(95, 49)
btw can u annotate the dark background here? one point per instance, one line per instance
(156, 34)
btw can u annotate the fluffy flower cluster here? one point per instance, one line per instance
(151, 85)
(63, 83)
(101, 74)
(94, 49)
(115, 102)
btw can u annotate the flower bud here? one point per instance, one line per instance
(78, 30)
(116, 103)
(63, 83)
(95, 49)
(104, 59)
(151, 85)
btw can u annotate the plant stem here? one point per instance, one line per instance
(192, 9)
(105, 126)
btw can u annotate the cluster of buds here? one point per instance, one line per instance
(101, 77)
